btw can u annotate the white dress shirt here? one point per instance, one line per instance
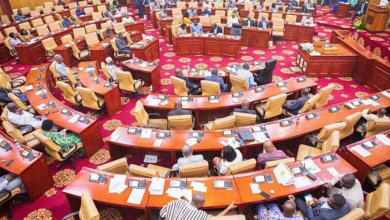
(25, 118)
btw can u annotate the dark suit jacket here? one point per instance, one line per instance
(219, 80)
(296, 105)
(252, 23)
(327, 214)
(204, 13)
(304, 10)
(179, 112)
(219, 30)
(290, 9)
(261, 24)
(248, 111)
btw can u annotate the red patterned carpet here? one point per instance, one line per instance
(53, 205)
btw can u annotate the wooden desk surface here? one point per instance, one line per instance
(58, 118)
(87, 80)
(135, 66)
(342, 51)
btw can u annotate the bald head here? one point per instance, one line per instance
(12, 107)
(289, 208)
(381, 112)
(198, 200)
(268, 146)
(214, 72)
(348, 181)
(246, 66)
(245, 104)
(178, 71)
(178, 104)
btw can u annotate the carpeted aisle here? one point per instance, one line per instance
(53, 205)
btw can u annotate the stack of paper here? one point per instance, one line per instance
(191, 142)
(311, 166)
(146, 133)
(29, 88)
(370, 102)
(301, 181)
(117, 184)
(157, 186)
(233, 143)
(179, 193)
(197, 186)
(73, 119)
(385, 93)
(360, 150)
(333, 171)
(260, 137)
(255, 188)
(136, 196)
(283, 174)
(382, 138)
(154, 102)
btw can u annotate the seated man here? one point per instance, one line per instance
(290, 8)
(349, 187)
(244, 72)
(293, 107)
(128, 19)
(192, 12)
(121, 11)
(62, 139)
(215, 78)
(181, 209)
(66, 22)
(307, 20)
(232, 20)
(79, 11)
(19, 117)
(4, 95)
(60, 66)
(207, 4)
(14, 40)
(233, 12)
(264, 23)
(108, 33)
(75, 20)
(245, 109)
(10, 182)
(19, 16)
(249, 22)
(111, 68)
(304, 9)
(179, 109)
(156, 6)
(294, 3)
(196, 28)
(187, 158)
(272, 211)
(270, 153)
(164, 13)
(334, 208)
(215, 29)
(279, 3)
(193, 87)
(121, 44)
(205, 12)
(231, 5)
(108, 14)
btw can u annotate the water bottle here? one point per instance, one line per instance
(17, 145)
(297, 118)
(188, 66)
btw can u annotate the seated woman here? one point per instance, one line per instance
(24, 36)
(186, 18)
(182, 29)
(229, 157)
(62, 139)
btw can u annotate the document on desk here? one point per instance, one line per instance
(260, 137)
(73, 119)
(40, 92)
(361, 151)
(255, 188)
(157, 186)
(41, 106)
(333, 171)
(301, 181)
(117, 184)
(136, 196)
(311, 166)
(158, 143)
(89, 69)
(200, 188)
(370, 102)
(154, 102)
(385, 93)
(150, 159)
(191, 142)
(350, 105)
(146, 133)
(29, 88)
(143, 65)
(382, 138)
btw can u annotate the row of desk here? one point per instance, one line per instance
(205, 111)
(241, 192)
(290, 136)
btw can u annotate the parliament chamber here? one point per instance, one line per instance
(195, 109)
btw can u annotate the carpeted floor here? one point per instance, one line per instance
(54, 204)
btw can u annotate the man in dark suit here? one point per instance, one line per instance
(215, 78)
(264, 23)
(290, 8)
(293, 107)
(178, 109)
(215, 29)
(245, 109)
(334, 208)
(361, 11)
(193, 87)
(249, 22)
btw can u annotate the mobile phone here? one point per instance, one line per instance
(309, 199)
(9, 162)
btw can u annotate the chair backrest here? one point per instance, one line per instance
(88, 10)
(67, 92)
(142, 171)
(291, 19)
(13, 132)
(102, 8)
(324, 94)
(177, 19)
(180, 122)
(238, 83)
(244, 119)
(354, 214)
(376, 126)
(88, 96)
(176, 11)
(42, 30)
(48, 4)
(118, 166)
(48, 19)
(179, 86)
(181, 4)
(25, 25)
(260, 16)
(82, 3)
(66, 38)
(25, 10)
(4, 83)
(35, 13)
(218, 5)
(175, 29)
(96, 2)
(248, 6)
(97, 15)
(17, 101)
(278, 25)
(309, 104)
(49, 44)
(90, 28)
(224, 123)
(54, 26)
(72, 5)
(78, 32)
(197, 169)
(119, 28)
(5, 19)
(105, 71)
(105, 25)
(9, 30)
(276, 16)
(204, 20)
(377, 203)
(216, 19)
(242, 167)
(126, 81)
(53, 70)
(210, 87)
(59, 8)
(47, 10)
(274, 163)
(91, 39)
(274, 104)
(220, 13)
(332, 143)
(4, 114)
(1, 35)
(88, 209)
(113, 44)
(350, 122)
(140, 114)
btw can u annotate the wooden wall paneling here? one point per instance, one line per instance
(28, 3)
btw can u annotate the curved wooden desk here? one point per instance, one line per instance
(89, 133)
(290, 136)
(205, 111)
(111, 95)
(149, 52)
(35, 174)
(149, 74)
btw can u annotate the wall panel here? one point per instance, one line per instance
(28, 3)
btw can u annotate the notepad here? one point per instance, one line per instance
(29, 88)
(136, 196)
(146, 133)
(361, 151)
(382, 138)
(158, 143)
(41, 106)
(333, 171)
(301, 181)
(284, 89)
(154, 102)
(191, 141)
(74, 119)
(370, 102)
(157, 186)
(255, 188)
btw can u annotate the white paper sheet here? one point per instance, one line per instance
(370, 102)
(235, 100)
(200, 188)
(117, 184)
(146, 133)
(158, 143)
(255, 188)
(333, 171)
(214, 101)
(154, 102)
(233, 143)
(385, 93)
(40, 92)
(74, 119)
(260, 137)
(157, 186)
(350, 105)
(191, 142)
(311, 166)
(382, 138)
(187, 193)
(41, 106)
(136, 196)
(29, 88)
(361, 151)
(150, 159)
(164, 103)
(301, 181)
(284, 89)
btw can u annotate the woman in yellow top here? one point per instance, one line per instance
(24, 36)
(186, 18)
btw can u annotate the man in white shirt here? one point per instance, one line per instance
(232, 20)
(128, 19)
(60, 66)
(247, 75)
(381, 113)
(14, 40)
(308, 20)
(10, 182)
(22, 118)
(187, 158)
(111, 68)
(350, 189)
(121, 11)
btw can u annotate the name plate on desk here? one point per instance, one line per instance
(262, 179)
(287, 122)
(66, 112)
(311, 116)
(134, 131)
(259, 89)
(178, 184)
(329, 158)
(334, 109)
(375, 97)
(196, 134)
(108, 85)
(302, 79)
(222, 184)
(163, 135)
(237, 94)
(187, 99)
(27, 154)
(97, 178)
(369, 144)
(137, 184)
(213, 98)
(229, 132)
